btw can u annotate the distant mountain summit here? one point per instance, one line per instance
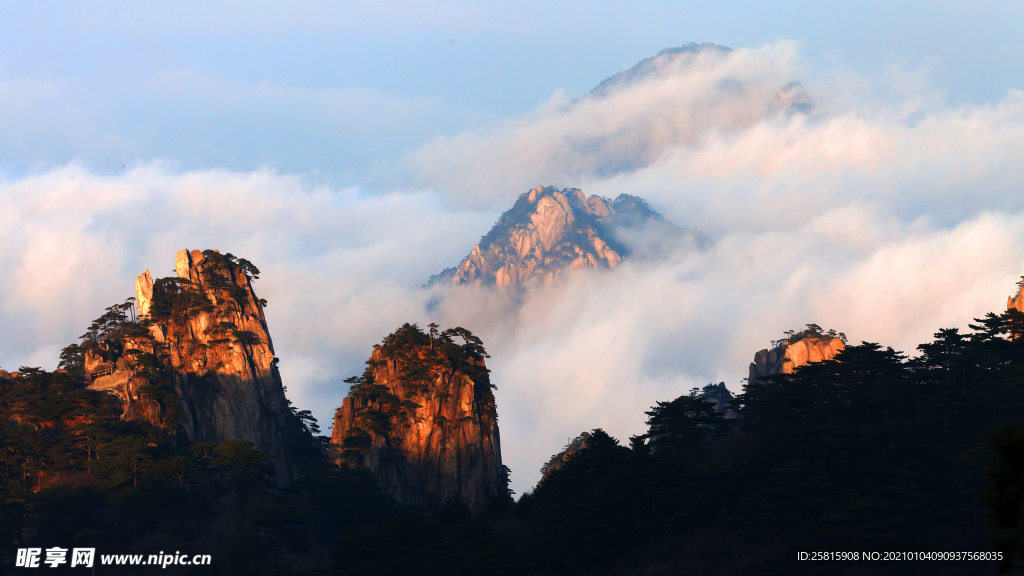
(654, 65)
(791, 98)
(550, 230)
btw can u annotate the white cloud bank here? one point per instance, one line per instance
(885, 217)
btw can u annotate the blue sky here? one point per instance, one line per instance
(341, 89)
(353, 150)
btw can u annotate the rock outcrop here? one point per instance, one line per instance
(791, 99)
(144, 292)
(549, 231)
(556, 462)
(422, 418)
(720, 397)
(790, 354)
(1016, 302)
(202, 340)
(127, 382)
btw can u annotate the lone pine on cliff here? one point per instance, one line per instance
(548, 231)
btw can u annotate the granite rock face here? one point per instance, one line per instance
(790, 355)
(125, 382)
(549, 231)
(422, 418)
(1016, 302)
(209, 332)
(144, 292)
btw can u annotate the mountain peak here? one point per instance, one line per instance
(549, 230)
(202, 347)
(655, 64)
(567, 204)
(545, 231)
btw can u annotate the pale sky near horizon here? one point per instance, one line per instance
(351, 150)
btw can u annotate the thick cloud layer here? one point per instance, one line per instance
(591, 138)
(883, 214)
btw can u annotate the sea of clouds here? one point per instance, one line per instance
(883, 213)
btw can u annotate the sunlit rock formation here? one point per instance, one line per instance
(144, 292)
(811, 345)
(1016, 302)
(422, 418)
(124, 379)
(549, 231)
(199, 359)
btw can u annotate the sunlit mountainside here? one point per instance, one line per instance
(548, 231)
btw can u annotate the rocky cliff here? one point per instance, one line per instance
(812, 345)
(422, 418)
(199, 359)
(548, 231)
(1016, 302)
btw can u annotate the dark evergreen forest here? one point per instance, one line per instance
(874, 449)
